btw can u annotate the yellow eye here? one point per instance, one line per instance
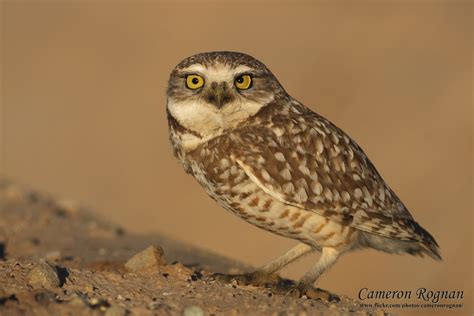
(243, 82)
(194, 81)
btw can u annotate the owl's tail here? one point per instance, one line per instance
(432, 251)
(421, 243)
(428, 245)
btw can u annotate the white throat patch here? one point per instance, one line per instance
(208, 121)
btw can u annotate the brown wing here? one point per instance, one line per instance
(306, 161)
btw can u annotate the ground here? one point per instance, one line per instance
(56, 257)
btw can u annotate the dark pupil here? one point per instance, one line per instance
(195, 80)
(240, 79)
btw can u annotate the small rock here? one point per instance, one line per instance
(150, 258)
(44, 275)
(121, 298)
(193, 311)
(177, 271)
(115, 310)
(44, 297)
(88, 288)
(94, 301)
(77, 301)
(53, 255)
(99, 304)
(67, 207)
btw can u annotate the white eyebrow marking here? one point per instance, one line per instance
(241, 69)
(218, 73)
(195, 68)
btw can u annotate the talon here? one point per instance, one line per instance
(294, 292)
(313, 293)
(221, 277)
(298, 290)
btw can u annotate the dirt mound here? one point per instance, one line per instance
(57, 257)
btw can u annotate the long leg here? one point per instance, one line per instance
(291, 255)
(264, 275)
(327, 259)
(305, 285)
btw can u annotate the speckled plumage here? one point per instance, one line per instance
(272, 161)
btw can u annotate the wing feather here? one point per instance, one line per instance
(308, 162)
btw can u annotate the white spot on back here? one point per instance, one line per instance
(304, 170)
(288, 188)
(346, 197)
(328, 194)
(316, 187)
(285, 174)
(367, 195)
(319, 145)
(301, 195)
(265, 175)
(279, 156)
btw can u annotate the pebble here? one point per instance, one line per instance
(44, 275)
(121, 298)
(193, 311)
(99, 303)
(53, 255)
(115, 310)
(88, 288)
(150, 258)
(44, 297)
(69, 207)
(76, 301)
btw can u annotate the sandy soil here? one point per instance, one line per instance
(58, 258)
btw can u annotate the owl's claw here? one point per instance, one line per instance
(311, 292)
(254, 278)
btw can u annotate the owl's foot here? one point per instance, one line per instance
(311, 292)
(254, 278)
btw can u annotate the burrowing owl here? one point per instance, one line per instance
(272, 161)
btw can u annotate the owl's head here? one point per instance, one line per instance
(209, 93)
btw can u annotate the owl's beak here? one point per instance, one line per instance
(219, 94)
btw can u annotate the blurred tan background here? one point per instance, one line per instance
(83, 114)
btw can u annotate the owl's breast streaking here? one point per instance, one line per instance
(214, 165)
